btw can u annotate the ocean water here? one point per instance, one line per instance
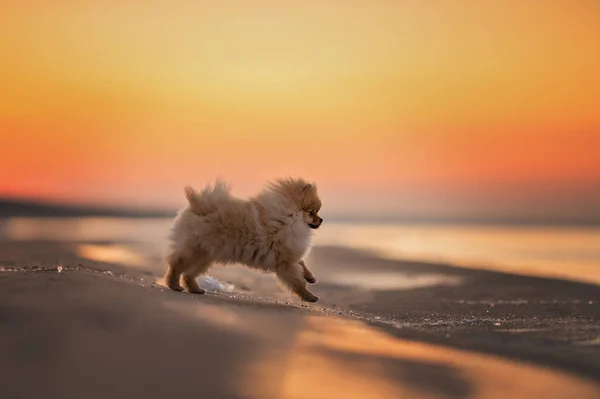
(562, 252)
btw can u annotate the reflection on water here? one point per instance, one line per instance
(321, 357)
(564, 252)
(119, 254)
(84, 229)
(390, 280)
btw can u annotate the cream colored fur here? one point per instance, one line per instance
(270, 231)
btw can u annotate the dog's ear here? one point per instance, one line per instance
(306, 188)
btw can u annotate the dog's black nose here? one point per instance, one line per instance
(320, 220)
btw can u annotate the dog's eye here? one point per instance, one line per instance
(312, 213)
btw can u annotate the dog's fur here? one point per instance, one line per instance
(270, 232)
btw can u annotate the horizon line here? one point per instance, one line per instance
(12, 207)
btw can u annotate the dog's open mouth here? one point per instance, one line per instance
(313, 226)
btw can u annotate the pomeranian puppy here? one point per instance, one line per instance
(270, 232)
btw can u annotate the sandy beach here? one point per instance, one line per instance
(78, 323)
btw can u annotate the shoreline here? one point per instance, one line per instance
(549, 322)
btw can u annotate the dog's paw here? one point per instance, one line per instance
(197, 291)
(177, 288)
(309, 297)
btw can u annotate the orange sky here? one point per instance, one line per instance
(391, 106)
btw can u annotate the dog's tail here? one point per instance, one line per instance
(208, 200)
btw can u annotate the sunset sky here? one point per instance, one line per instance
(462, 107)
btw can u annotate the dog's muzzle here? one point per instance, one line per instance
(316, 225)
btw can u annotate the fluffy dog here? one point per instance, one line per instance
(270, 232)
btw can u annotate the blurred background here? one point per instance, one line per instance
(462, 131)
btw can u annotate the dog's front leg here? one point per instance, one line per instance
(291, 274)
(308, 276)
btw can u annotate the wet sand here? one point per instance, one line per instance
(76, 322)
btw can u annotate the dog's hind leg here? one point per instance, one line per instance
(308, 276)
(190, 276)
(191, 285)
(291, 274)
(175, 268)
